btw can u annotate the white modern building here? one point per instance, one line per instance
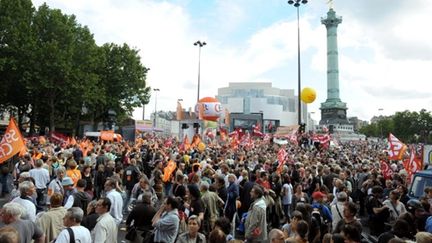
(278, 106)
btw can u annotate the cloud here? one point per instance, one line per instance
(380, 47)
(387, 92)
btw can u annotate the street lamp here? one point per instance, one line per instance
(199, 44)
(154, 122)
(143, 117)
(380, 123)
(296, 4)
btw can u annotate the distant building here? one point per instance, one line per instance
(376, 119)
(253, 101)
(357, 123)
(170, 126)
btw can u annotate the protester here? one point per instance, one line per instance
(51, 222)
(166, 221)
(116, 208)
(192, 235)
(105, 230)
(9, 234)
(55, 186)
(276, 236)
(27, 230)
(74, 230)
(42, 178)
(79, 198)
(90, 220)
(27, 189)
(141, 216)
(256, 222)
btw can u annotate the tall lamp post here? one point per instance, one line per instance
(296, 4)
(154, 122)
(199, 44)
(380, 121)
(143, 117)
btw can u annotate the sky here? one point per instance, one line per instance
(385, 47)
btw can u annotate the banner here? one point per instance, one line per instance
(286, 131)
(396, 149)
(59, 137)
(11, 143)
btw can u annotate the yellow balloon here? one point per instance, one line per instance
(201, 146)
(308, 95)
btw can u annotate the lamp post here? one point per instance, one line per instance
(199, 44)
(154, 121)
(296, 4)
(143, 117)
(380, 110)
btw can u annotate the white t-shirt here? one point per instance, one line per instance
(30, 208)
(41, 177)
(116, 205)
(288, 193)
(81, 233)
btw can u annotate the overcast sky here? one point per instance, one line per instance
(385, 47)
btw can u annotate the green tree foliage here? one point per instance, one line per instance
(16, 55)
(406, 125)
(51, 69)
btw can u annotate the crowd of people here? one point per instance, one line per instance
(68, 193)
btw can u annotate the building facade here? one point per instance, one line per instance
(277, 106)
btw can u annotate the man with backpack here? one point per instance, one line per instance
(74, 232)
(321, 212)
(79, 198)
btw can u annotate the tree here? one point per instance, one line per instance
(51, 69)
(123, 78)
(16, 55)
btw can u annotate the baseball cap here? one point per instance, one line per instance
(318, 195)
(67, 181)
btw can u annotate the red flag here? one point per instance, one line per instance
(11, 143)
(234, 143)
(396, 148)
(385, 169)
(257, 130)
(413, 164)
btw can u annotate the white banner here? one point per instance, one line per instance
(427, 155)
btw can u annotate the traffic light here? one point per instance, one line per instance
(302, 128)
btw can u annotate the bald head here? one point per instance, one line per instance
(276, 236)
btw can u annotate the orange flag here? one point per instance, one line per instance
(186, 144)
(168, 170)
(73, 141)
(42, 140)
(195, 141)
(11, 143)
(107, 135)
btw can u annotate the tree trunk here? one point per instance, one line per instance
(32, 119)
(52, 115)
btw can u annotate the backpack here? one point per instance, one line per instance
(323, 222)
